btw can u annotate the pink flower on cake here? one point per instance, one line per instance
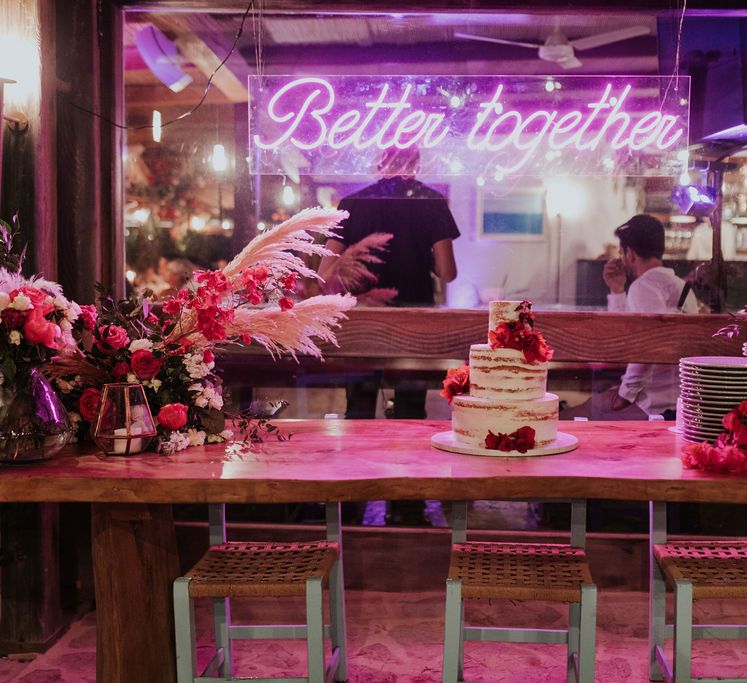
(521, 440)
(456, 382)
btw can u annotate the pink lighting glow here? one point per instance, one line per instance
(508, 125)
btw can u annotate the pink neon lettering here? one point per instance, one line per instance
(298, 117)
(304, 114)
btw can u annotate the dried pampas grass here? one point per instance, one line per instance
(294, 331)
(276, 246)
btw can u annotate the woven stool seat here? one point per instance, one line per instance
(715, 569)
(522, 571)
(260, 569)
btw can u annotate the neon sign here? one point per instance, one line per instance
(471, 125)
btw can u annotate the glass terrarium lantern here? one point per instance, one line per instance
(124, 425)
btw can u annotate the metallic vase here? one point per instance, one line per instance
(34, 424)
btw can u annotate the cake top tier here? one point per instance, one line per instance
(503, 312)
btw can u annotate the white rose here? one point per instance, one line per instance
(21, 302)
(141, 345)
(196, 438)
(132, 378)
(15, 337)
(4, 300)
(72, 312)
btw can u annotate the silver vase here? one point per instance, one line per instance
(34, 424)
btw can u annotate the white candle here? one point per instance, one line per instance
(120, 444)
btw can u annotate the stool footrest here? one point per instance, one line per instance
(270, 631)
(515, 635)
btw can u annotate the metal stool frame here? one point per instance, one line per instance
(682, 630)
(580, 635)
(220, 666)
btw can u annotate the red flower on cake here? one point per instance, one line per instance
(456, 382)
(735, 422)
(521, 440)
(522, 338)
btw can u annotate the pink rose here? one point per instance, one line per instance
(173, 416)
(111, 338)
(145, 365)
(39, 330)
(89, 314)
(88, 405)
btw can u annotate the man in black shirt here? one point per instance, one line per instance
(420, 221)
(423, 229)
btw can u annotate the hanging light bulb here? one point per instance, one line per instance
(219, 160)
(289, 196)
(156, 123)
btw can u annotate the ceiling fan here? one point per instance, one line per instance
(557, 48)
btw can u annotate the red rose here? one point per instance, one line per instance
(13, 319)
(285, 303)
(120, 370)
(39, 330)
(88, 315)
(456, 382)
(111, 338)
(145, 365)
(499, 442)
(88, 405)
(524, 439)
(208, 356)
(173, 416)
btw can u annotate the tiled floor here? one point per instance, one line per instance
(397, 637)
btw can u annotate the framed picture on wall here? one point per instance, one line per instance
(516, 215)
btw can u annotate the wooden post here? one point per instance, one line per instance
(134, 563)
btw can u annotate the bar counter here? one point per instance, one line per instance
(133, 541)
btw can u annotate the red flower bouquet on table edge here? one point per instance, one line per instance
(729, 454)
(521, 335)
(171, 350)
(521, 440)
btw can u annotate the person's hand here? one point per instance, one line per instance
(614, 275)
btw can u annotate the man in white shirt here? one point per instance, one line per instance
(655, 289)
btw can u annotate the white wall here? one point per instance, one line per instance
(529, 269)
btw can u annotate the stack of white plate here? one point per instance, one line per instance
(710, 386)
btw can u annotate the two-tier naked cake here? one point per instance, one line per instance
(500, 405)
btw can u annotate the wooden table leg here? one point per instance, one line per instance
(134, 562)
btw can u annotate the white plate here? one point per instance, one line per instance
(721, 396)
(712, 372)
(715, 361)
(719, 381)
(701, 433)
(446, 441)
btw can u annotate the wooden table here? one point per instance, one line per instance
(134, 548)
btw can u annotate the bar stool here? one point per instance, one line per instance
(521, 571)
(694, 570)
(236, 569)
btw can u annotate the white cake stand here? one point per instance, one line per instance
(446, 441)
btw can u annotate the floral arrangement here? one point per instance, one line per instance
(521, 335)
(171, 350)
(521, 440)
(729, 454)
(456, 382)
(36, 320)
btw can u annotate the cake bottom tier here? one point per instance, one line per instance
(472, 417)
